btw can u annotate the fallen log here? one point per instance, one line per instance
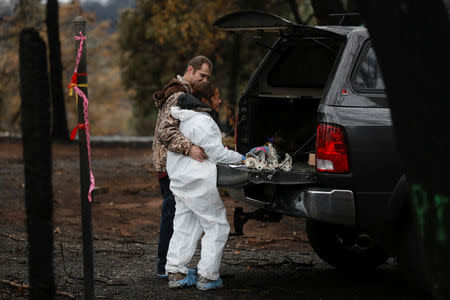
(27, 287)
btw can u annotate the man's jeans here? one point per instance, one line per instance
(166, 226)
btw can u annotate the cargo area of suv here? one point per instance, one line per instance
(281, 102)
(318, 96)
(279, 105)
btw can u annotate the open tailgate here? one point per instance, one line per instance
(235, 176)
(252, 21)
(257, 21)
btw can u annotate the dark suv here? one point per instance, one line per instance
(318, 95)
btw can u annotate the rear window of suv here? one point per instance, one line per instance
(367, 76)
(306, 64)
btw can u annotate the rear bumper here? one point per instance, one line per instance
(326, 205)
(329, 205)
(291, 193)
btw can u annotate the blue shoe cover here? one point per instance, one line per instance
(162, 276)
(189, 280)
(210, 285)
(192, 271)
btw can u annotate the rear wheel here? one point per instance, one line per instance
(343, 247)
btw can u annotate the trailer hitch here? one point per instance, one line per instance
(241, 217)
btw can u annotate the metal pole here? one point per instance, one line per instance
(86, 215)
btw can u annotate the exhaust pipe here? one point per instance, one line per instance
(364, 241)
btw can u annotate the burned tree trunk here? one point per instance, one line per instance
(412, 43)
(59, 120)
(234, 76)
(37, 158)
(294, 8)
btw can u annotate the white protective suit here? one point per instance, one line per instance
(199, 207)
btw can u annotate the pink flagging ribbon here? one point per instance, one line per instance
(88, 140)
(85, 126)
(80, 38)
(74, 80)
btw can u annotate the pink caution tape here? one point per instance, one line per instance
(85, 126)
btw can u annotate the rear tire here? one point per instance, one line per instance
(336, 245)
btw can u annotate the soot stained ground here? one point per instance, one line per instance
(271, 261)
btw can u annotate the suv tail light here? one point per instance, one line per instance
(331, 149)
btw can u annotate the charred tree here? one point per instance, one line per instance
(233, 81)
(34, 92)
(294, 8)
(59, 119)
(412, 43)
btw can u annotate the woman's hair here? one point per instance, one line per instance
(204, 90)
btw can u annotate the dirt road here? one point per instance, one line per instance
(272, 260)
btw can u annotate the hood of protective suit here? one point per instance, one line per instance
(188, 101)
(190, 179)
(182, 114)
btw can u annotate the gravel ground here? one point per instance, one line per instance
(272, 261)
(124, 271)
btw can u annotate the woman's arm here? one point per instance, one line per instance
(210, 139)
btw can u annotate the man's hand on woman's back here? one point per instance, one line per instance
(197, 153)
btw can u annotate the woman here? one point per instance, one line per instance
(199, 207)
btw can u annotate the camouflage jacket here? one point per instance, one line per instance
(167, 134)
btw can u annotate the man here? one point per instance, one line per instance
(168, 137)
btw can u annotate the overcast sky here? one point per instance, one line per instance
(82, 1)
(44, 1)
(66, 1)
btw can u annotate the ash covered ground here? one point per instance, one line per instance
(271, 261)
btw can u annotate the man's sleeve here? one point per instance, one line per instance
(169, 133)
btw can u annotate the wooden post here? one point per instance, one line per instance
(38, 162)
(86, 214)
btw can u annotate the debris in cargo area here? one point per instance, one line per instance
(266, 157)
(312, 159)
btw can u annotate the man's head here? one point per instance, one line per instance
(198, 70)
(208, 94)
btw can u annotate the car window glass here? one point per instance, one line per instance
(304, 65)
(368, 75)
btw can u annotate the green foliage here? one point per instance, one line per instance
(110, 108)
(153, 43)
(27, 13)
(157, 39)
